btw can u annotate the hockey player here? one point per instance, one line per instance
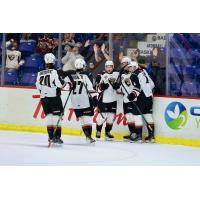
(81, 98)
(125, 61)
(138, 88)
(49, 84)
(107, 101)
(129, 109)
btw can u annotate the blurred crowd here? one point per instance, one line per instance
(93, 47)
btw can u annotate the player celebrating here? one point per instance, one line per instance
(138, 88)
(124, 62)
(107, 101)
(49, 84)
(129, 109)
(81, 98)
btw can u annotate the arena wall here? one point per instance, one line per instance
(177, 120)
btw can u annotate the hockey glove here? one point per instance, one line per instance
(95, 101)
(72, 85)
(132, 96)
(104, 86)
(115, 86)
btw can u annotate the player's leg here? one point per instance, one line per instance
(86, 123)
(138, 127)
(50, 126)
(57, 108)
(58, 131)
(49, 117)
(149, 118)
(139, 105)
(99, 124)
(128, 112)
(109, 124)
(131, 126)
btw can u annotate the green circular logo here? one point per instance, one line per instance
(176, 115)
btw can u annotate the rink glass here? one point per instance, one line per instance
(172, 60)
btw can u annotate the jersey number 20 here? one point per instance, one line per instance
(45, 80)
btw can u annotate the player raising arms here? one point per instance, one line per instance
(49, 85)
(81, 98)
(107, 101)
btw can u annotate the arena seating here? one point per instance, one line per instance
(28, 79)
(11, 78)
(185, 62)
(32, 63)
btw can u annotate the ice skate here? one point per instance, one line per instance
(108, 136)
(150, 139)
(90, 140)
(98, 134)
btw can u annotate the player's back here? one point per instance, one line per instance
(49, 83)
(146, 83)
(79, 97)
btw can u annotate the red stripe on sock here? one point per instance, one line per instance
(131, 124)
(87, 126)
(138, 126)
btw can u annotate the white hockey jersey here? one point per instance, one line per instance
(128, 85)
(48, 83)
(109, 95)
(79, 96)
(146, 83)
(139, 81)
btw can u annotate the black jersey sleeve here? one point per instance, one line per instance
(135, 81)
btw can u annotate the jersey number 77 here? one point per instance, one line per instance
(78, 88)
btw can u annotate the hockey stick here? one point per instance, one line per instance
(87, 91)
(60, 117)
(138, 109)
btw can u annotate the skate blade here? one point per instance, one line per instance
(52, 144)
(89, 142)
(150, 141)
(137, 141)
(108, 139)
(126, 140)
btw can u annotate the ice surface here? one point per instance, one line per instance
(31, 149)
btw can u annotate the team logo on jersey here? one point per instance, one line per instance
(11, 57)
(176, 115)
(127, 81)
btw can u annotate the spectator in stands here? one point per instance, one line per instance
(13, 36)
(135, 56)
(87, 51)
(45, 45)
(99, 55)
(156, 69)
(13, 57)
(68, 42)
(70, 57)
(29, 37)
